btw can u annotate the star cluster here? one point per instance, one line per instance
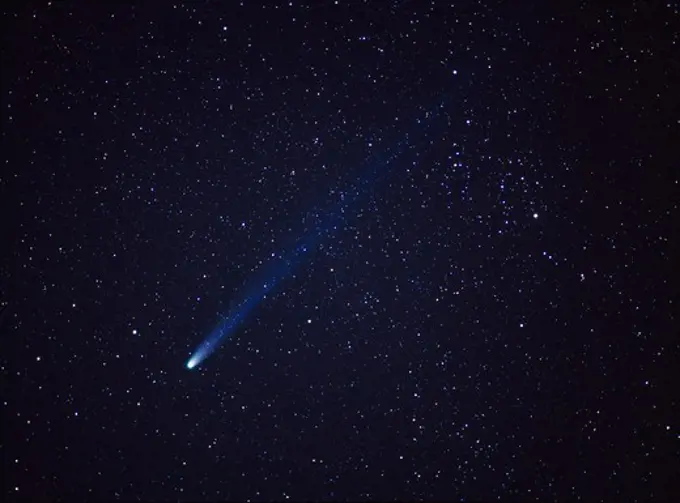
(447, 233)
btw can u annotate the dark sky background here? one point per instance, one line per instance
(487, 308)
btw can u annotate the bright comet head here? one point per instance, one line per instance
(193, 361)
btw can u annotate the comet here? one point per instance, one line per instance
(284, 265)
(276, 271)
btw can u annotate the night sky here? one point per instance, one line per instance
(440, 238)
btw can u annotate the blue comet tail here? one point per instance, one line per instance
(283, 266)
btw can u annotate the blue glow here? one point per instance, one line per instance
(285, 265)
(270, 277)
